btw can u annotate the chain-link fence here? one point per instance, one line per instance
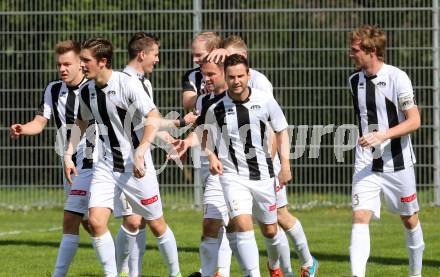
(300, 45)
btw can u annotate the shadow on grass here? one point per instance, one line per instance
(319, 255)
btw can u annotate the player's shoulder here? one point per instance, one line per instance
(258, 94)
(394, 71)
(87, 85)
(354, 73)
(216, 100)
(54, 83)
(257, 75)
(191, 72)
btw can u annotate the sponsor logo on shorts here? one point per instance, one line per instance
(78, 192)
(272, 207)
(149, 201)
(408, 199)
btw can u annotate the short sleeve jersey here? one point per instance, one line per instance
(379, 102)
(119, 108)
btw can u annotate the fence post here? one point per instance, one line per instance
(436, 91)
(198, 190)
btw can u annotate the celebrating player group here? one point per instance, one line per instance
(107, 122)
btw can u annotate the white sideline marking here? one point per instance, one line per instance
(52, 229)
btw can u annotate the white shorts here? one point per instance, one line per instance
(79, 192)
(244, 196)
(398, 189)
(142, 194)
(281, 194)
(214, 205)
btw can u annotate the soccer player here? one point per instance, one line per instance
(215, 215)
(143, 51)
(60, 100)
(383, 100)
(290, 224)
(118, 102)
(192, 81)
(243, 160)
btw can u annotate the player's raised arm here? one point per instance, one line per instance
(31, 128)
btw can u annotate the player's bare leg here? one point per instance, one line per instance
(414, 243)
(293, 228)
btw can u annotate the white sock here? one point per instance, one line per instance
(273, 246)
(66, 252)
(208, 252)
(232, 238)
(285, 264)
(125, 242)
(247, 247)
(105, 251)
(168, 249)
(137, 254)
(298, 237)
(224, 255)
(415, 245)
(359, 249)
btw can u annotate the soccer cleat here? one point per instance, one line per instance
(275, 272)
(195, 274)
(310, 271)
(218, 274)
(123, 274)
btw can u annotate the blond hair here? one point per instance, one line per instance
(235, 42)
(211, 40)
(372, 39)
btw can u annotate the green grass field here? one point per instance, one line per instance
(29, 243)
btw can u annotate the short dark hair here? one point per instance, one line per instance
(141, 41)
(66, 46)
(100, 48)
(235, 60)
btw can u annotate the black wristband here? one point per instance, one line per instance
(182, 122)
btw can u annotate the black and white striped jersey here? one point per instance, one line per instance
(193, 81)
(61, 101)
(202, 105)
(239, 131)
(376, 103)
(119, 108)
(146, 84)
(148, 88)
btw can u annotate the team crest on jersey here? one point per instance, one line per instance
(111, 92)
(382, 84)
(230, 111)
(361, 85)
(255, 107)
(63, 92)
(92, 95)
